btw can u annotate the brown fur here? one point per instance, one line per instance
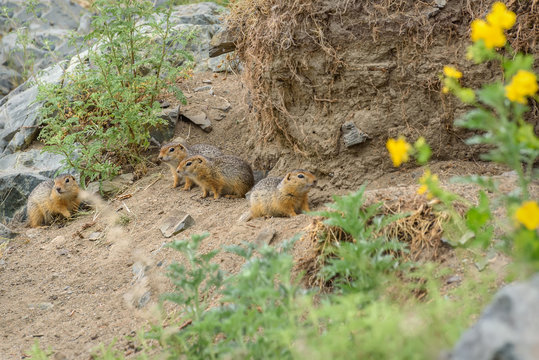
(49, 198)
(282, 196)
(224, 175)
(173, 153)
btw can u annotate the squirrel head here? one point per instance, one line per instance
(172, 151)
(300, 180)
(65, 185)
(192, 164)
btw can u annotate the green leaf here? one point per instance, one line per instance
(520, 62)
(494, 96)
(423, 151)
(477, 119)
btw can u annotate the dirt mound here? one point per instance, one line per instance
(313, 65)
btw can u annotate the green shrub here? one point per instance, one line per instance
(362, 264)
(100, 117)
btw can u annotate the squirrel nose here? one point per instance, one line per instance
(159, 158)
(58, 189)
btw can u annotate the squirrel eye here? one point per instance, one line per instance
(301, 176)
(171, 150)
(188, 163)
(67, 180)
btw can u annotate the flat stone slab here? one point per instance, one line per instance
(352, 135)
(200, 119)
(176, 224)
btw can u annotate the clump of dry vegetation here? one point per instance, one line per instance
(421, 230)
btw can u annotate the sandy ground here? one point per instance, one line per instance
(69, 291)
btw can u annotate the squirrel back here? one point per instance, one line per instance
(173, 153)
(286, 196)
(51, 197)
(223, 175)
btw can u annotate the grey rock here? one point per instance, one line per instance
(85, 24)
(53, 20)
(41, 306)
(19, 112)
(265, 236)
(221, 104)
(221, 43)
(165, 132)
(507, 328)
(203, 88)
(222, 64)
(198, 118)
(175, 224)
(20, 173)
(6, 233)
(144, 299)
(352, 135)
(43, 163)
(204, 21)
(440, 3)
(431, 12)
(206, 81)
(454, 279)
(9, 79)
(139, 271)
(96, 235)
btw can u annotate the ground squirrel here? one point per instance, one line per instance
(58, 196)
(173, 153)
(224, 175)
(286, 196)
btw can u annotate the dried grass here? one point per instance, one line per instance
(421, 231)
(276, 38)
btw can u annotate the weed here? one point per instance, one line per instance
(100, 117)
(358, 265)
(123, 220)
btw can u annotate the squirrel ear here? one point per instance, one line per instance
(199, 160)
(288, 176)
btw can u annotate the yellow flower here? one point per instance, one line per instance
(398, 150)
(452, 72)
(493, 36)
(523, 84)
(424, 181)
(445, 90)
(528, 215)
(501, 17)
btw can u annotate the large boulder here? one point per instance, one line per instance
(32, 40)
(20, 173)
(9, 79)
(19, 111)
(203, 20)
(507, 329)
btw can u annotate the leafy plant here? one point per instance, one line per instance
(253, 304)
(360, 265)
(499, 118)
(100, 117)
